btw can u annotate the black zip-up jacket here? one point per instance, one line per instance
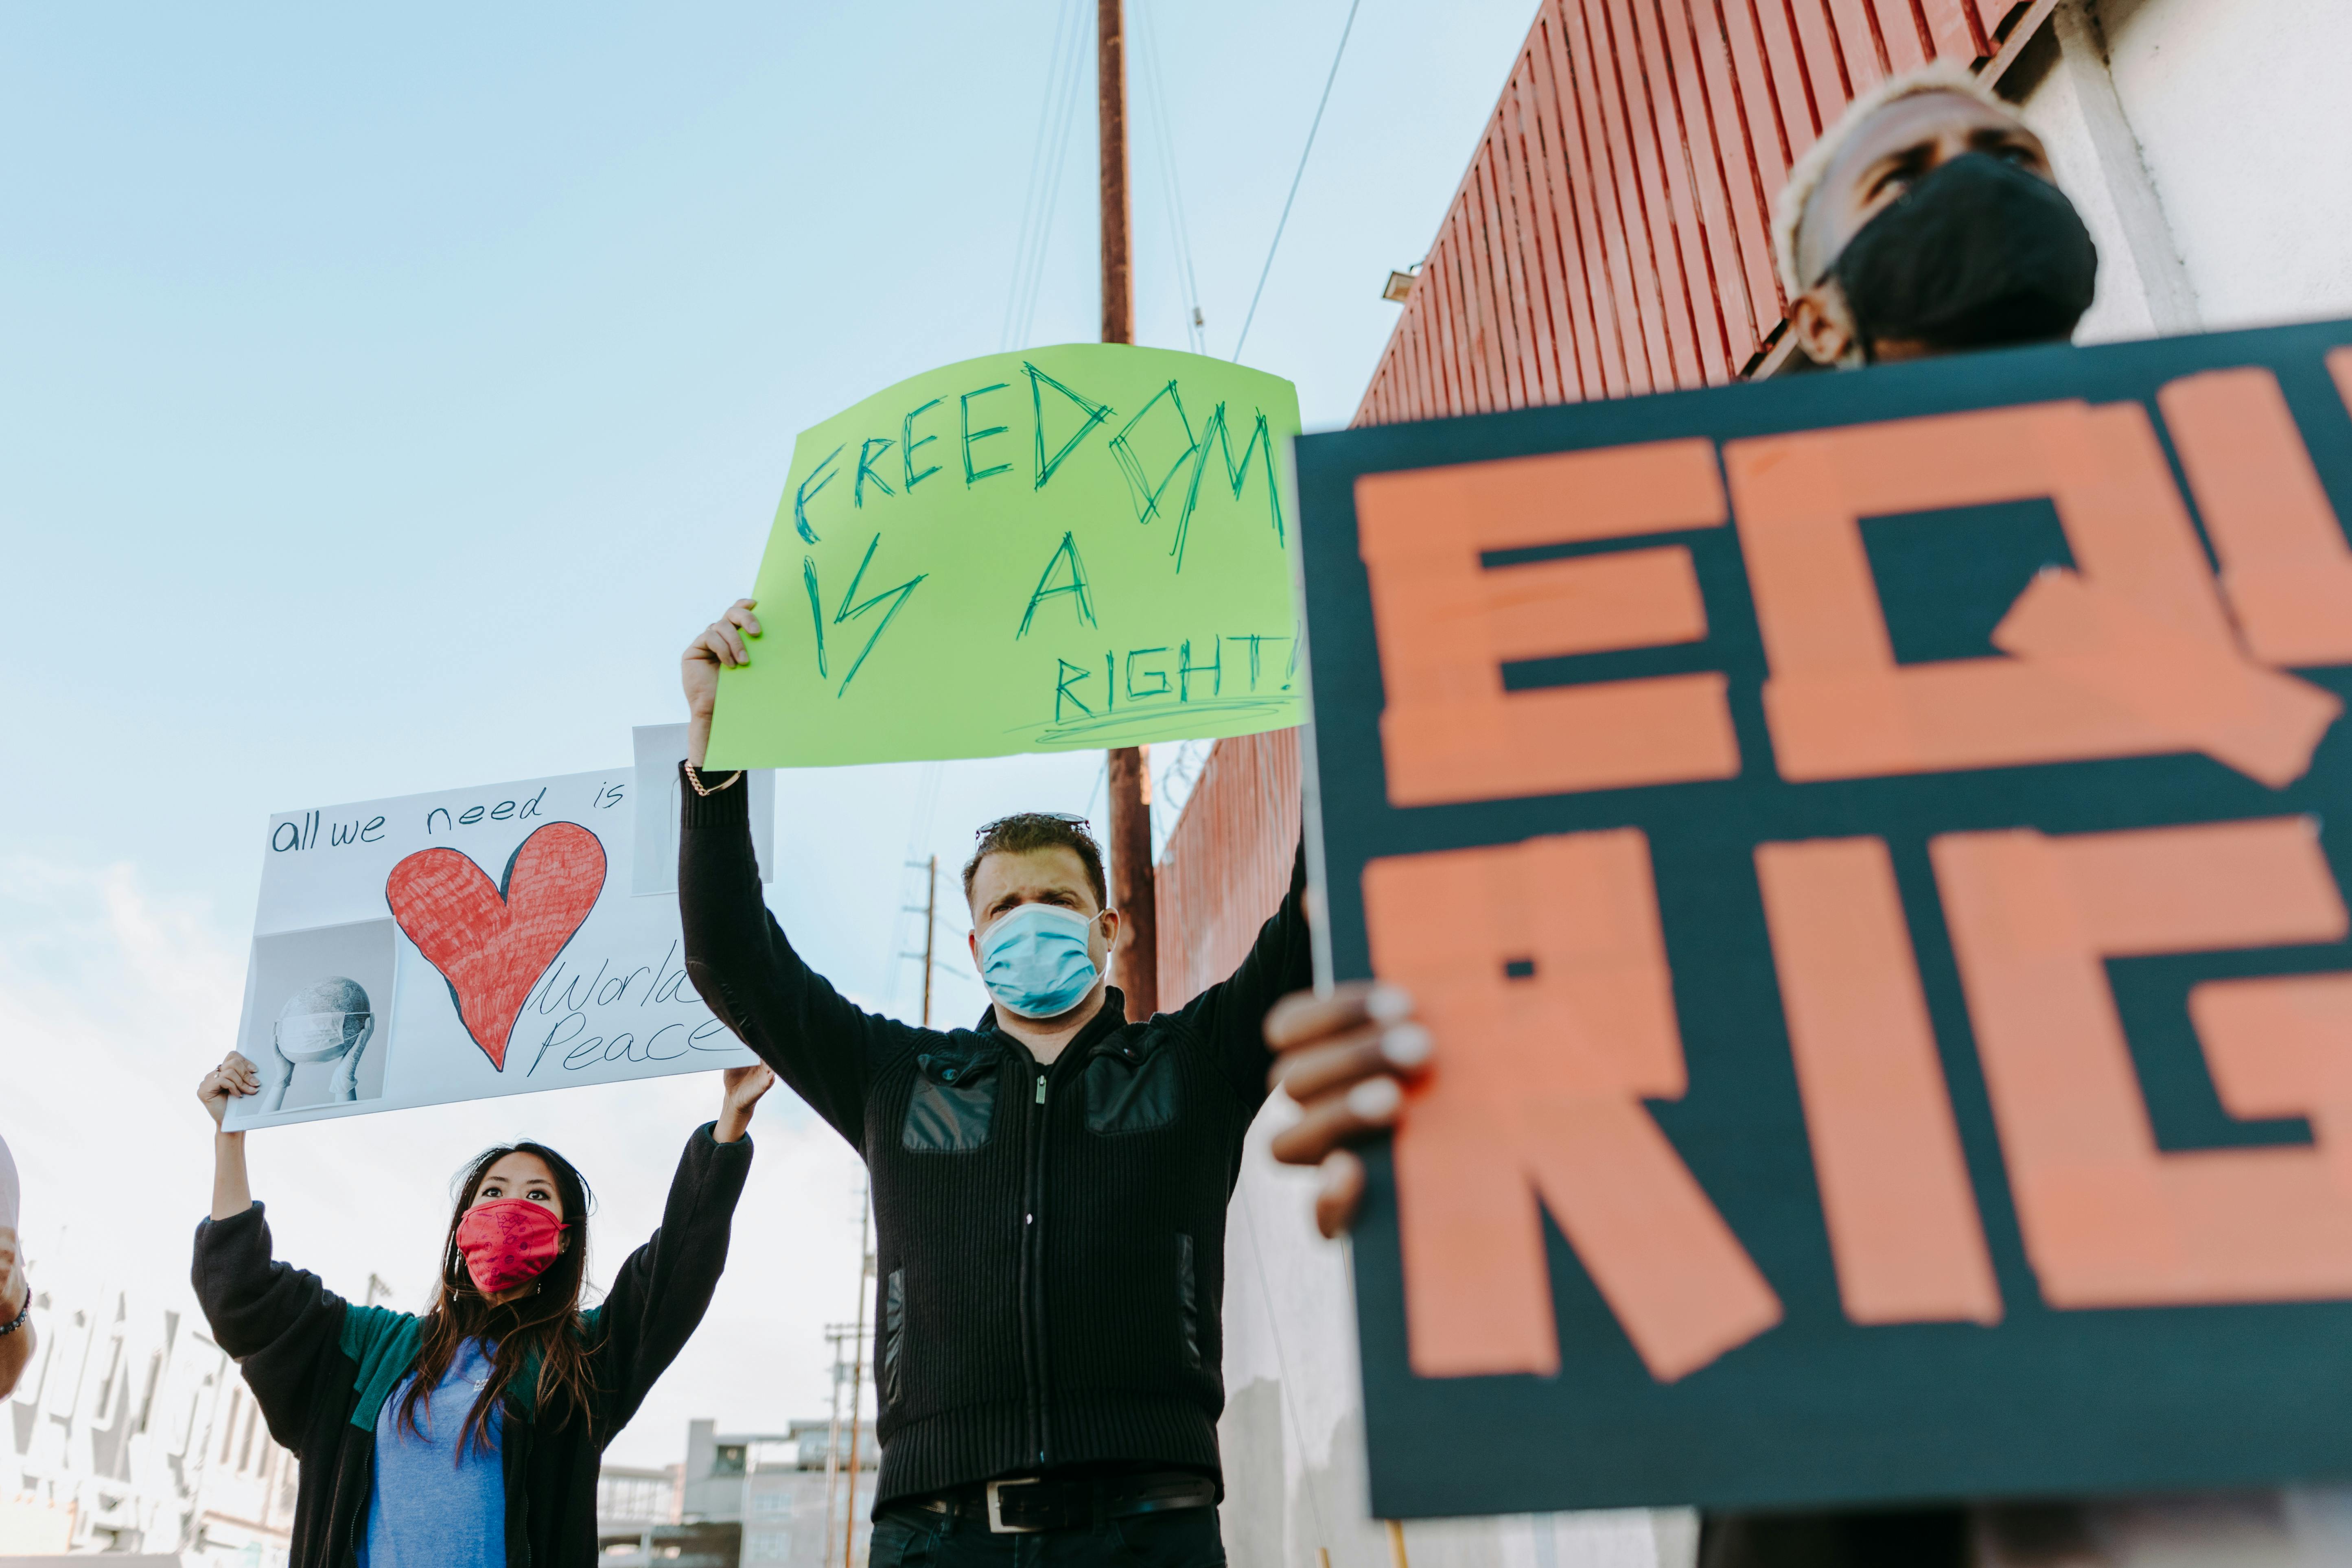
(321, 1369)
(1050, 1240)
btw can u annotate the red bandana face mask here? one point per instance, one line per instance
(507, 1242)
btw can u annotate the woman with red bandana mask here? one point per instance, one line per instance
(470, 1436)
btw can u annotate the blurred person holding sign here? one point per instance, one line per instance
(1925, 221)
(470, 1436)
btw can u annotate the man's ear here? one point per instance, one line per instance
(1823, 323)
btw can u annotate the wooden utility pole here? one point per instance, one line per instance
(1136, 963)
(1110, 79)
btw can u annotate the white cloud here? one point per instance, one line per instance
(114, 1002)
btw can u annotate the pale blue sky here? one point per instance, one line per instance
(384, 397)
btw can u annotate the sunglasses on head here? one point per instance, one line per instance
(1072, 818)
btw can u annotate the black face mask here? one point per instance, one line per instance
(1978, 255)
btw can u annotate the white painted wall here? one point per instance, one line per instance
(2239, 106)
(2208, 145)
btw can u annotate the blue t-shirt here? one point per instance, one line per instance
(435, 1507)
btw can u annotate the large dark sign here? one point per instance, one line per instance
(1871, 848)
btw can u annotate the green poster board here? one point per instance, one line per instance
(1063, 549)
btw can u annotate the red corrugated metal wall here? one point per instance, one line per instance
(1611, 237)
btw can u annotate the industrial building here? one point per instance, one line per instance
(741, 1501)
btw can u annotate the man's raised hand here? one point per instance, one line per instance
(718, 644)
(1342, 1056)
(233, 1079)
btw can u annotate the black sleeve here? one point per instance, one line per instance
(281, 1323)
(826, 1048)
(1231, 1014)
(662, 1290)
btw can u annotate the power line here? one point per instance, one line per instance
(1102, 777)
(1047, 103)
(1163, 121)
(1073, 81)
(1336, 56)
(1036, 163)
(1050, 157)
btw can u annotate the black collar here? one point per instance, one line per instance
(1113, 1008)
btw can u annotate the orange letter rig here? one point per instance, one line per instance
(1541, 970)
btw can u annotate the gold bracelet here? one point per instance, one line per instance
(694, 777)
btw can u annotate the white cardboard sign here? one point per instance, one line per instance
(466, 944)
(660, 796)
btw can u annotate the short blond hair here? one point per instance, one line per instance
(1805, 178)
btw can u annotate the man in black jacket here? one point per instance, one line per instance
(1049, 1186)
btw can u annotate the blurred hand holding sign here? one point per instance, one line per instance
(476, 942)
(1065, 549)
(1871, 851)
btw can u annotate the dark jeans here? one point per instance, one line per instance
(1173, 1538)
(1890, 1538)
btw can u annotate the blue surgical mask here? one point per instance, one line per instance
(1035, 961)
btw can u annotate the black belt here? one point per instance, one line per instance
(1024, 1505)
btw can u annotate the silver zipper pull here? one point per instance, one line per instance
(1041, 1089)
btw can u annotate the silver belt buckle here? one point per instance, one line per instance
(996, 1525)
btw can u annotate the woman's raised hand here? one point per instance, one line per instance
(233, 1079)
(718, 644)
(743, 1088)
(1344, 1057)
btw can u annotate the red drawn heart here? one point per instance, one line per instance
(492, 943)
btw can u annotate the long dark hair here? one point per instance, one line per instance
(543, 1322)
